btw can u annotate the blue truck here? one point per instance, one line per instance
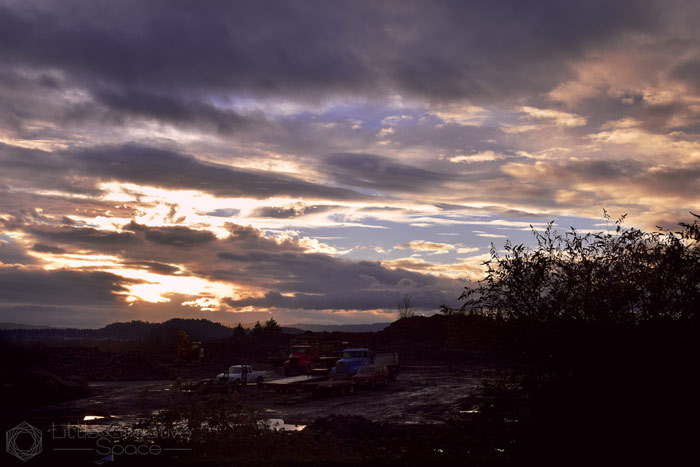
(353, 359)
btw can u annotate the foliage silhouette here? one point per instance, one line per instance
(405, 307)
(272, 327)
(623, 276)
(239, 330)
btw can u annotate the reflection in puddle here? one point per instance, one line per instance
(90, 418)
(278, 424)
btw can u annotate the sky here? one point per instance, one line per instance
(315, 161)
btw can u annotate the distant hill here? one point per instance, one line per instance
(21, 326)
(197, 329)
(373, 327)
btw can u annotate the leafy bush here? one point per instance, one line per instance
(626, 276)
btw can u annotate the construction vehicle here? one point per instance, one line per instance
(188, 350)
(307, 354)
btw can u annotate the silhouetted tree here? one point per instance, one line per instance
(257, 329)
(405, 307)
(271, 327)
(239, 330)
(622, 276)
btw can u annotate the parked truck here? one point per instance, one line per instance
(309, 353)
(241, 374)
(231, 379)
(353, 359)
(338, 380)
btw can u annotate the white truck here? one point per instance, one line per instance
(241, 374)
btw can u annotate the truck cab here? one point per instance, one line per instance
(301, 358)
(351, 361)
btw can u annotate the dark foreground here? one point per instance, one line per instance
(387, 424)
(556, 394)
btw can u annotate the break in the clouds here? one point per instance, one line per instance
(316, 160)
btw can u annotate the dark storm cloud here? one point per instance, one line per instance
(649, 180)
(601, 170)
(673, 181)
(289, 212)
(168, 169)
(224, 212)
(154, 267)
(84, 238)
(174, 110)
(351, 300)
(33, 168)
(688, 73)
(41, 248)
(58, 287)
(324, 282)
(306, 49)
(374, 172)
(13, 253)
(136, 241)
(77, 171)
(172, 236)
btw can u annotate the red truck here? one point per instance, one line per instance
(309, 353)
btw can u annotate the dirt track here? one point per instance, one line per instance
(420, 394)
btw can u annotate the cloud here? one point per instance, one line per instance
(558, 117)
(174, 109)
(173, 236)
(41, 248)
(379, 173)
(19, 286)
(78, 170)
(462, 115)
(470, 268)
(224, 212)
(688, 72)
(12, 253)
(260, 268)
(153, 266)
(288, 212)
(483, 156)
(420, 245)
(481, 233)
(442, 50)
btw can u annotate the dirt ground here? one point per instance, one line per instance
(420, 394)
